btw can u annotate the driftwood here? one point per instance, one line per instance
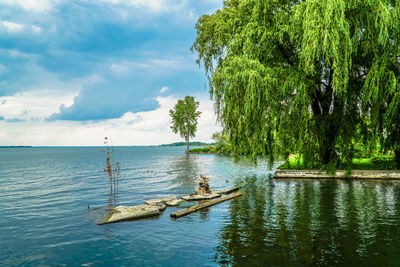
(204, 205)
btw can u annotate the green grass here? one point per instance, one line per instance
(382, 162)
(208, 149)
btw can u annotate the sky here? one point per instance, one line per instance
(75, 71)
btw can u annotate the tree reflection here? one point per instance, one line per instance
(186, 171)
(290, 223)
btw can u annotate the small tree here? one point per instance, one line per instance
(184, 118)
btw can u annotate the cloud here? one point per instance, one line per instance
(164, 89)
(129, 86)
(88, 65)
(156, 6)
(141, 128)
(40, 104)
(153, 65)
(15, 120)
(30, 5)
(12, 27)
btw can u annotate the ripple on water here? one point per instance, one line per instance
(45, 219)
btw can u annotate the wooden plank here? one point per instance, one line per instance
(201, 197)
(226, 191)
(204, 205)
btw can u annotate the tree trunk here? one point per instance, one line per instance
(187, 144)
(327, 136)
(397, 158)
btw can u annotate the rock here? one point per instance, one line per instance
(161, 206)
(154, 202)
(204, 187)
(174, 202)
(125, 213)
(201, 197)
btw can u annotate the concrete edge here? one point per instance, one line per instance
(339, 174)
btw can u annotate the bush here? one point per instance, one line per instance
(208, 149)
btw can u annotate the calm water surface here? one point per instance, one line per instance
(45, 219)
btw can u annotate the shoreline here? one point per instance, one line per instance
(339, 174)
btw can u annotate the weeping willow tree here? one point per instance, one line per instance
(308, 76)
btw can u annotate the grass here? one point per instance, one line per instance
(208, 149)
(381, 162)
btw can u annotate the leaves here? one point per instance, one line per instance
(308, 77)
(184, 117)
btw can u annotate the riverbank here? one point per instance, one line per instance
(339, 174)
(378, 167)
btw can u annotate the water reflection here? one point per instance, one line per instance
(289, 223)
(185, 170)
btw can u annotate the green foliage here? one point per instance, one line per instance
(379, 162)
(184, 118)
(309, 77)
(204, 150)
(191, 143)
(223, 145)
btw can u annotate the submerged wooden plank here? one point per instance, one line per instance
(201, 196)
(355, 174)
(226, 191)
(204, 205)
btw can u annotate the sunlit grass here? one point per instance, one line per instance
(381, 162)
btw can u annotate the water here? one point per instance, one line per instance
(45, 219)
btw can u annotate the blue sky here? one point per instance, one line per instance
(73, 71)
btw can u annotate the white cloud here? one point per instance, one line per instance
(12, 27)
(143, 128)
(15, 53)
(164, 89)
(35, 104)
(31, 5)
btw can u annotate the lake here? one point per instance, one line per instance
(50, 199)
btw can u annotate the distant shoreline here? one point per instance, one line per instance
(15, 146)
(61, 146)
(191, 144)
(161, 145)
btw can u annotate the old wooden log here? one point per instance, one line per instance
(204, 205)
